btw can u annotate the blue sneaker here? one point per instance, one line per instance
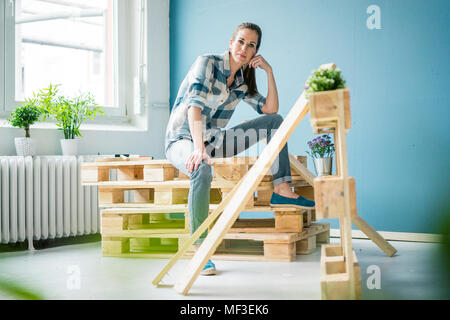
(280, 201)
(209, 269)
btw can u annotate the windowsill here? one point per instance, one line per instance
(115, 124)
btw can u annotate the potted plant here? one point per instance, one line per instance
(23, 117)
(325, 89)
(69, 114)
(322, 151)
(326, 78)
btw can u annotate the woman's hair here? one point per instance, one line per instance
(249, 73)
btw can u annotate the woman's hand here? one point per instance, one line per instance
(195, 158)
(259, 62)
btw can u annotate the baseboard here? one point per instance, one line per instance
(394, 236)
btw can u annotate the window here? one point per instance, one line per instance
(83, 45)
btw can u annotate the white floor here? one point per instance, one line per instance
(414, 273)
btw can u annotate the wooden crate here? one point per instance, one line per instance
(323, 108)
(334, 280)
(329, 197)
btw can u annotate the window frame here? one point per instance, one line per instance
(127, 66)
(2, 55)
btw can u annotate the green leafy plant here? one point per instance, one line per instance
(69, 113)
(324, 79)
(25, 115)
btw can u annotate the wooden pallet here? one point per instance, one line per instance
(172, 219)
(272, 246)
(224, 169)
(113, 193)
(235, 246)
(148, 194)
(158, 182)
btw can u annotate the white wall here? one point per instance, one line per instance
(112, 140)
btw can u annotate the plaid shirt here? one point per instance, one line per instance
(205, 86)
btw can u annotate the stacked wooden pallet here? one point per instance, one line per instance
(144, 211)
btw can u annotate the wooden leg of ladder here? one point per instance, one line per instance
(374, 235)
(211, 217)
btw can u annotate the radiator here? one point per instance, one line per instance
(41, 197)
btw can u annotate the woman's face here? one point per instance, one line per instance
(243, 46)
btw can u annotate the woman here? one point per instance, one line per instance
(205, 102)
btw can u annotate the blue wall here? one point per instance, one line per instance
(398, 147)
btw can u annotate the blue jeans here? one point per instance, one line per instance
(236, 140)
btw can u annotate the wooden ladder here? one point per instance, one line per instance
(230, 207)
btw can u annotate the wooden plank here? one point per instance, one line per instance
(202, 228)
(134, 173)
(301, 169)
(373, 235)
(230, 172)
(303, 160)
(106, 196)
(332, 105)
(279, 251)
(246, 188)
(123, 159)
(144, 195)
(288, 222)
(329, 196)
(249, 204)
(171, 196)
(347, 226)
(159, 174)
(155, 184)
(263, 197)
(163, 162)
(306, 246)
(93, 174)
(334, 279)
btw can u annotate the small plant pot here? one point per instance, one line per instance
(69, 147)
(25, 146)
(323, 166)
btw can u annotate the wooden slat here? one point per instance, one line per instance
(246, 188)
(154, 184)
(164, 162)
(202, 228)
(373, 235)
(302, 170)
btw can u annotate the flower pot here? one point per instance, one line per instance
(323, 166)
(25, 146)
(69, 147)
